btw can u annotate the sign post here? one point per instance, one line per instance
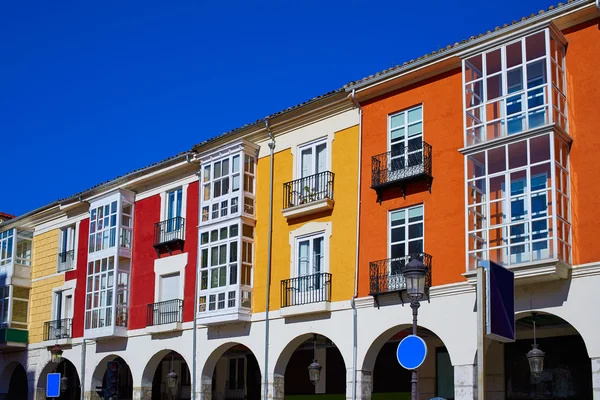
(53, 385)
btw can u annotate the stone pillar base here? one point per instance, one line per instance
(465, 382)
(276, 387)
(596, 378)
(364, 384)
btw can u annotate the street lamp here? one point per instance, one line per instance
(414, 275)
(535, 356)
(314, 369)
(172, 379)
(56, 354)
(64, 384)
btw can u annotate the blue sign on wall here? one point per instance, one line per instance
(53, 385)
(411, 352)
(500, 302)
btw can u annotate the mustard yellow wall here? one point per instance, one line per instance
(45, 252)
(344, 164)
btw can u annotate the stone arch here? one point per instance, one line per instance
(14, 380)
(286, 353)
(151, 367)
(97, 378)
(68, 369)
(205, 385)
(368, 361)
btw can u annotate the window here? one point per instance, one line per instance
(510, 206)
(237, 373)
(310, 255)
(99, 293)
(6, 246)
(405, 133)
(313, 158)
(223, 183)
(406, 233)
(20, 306)
(510, 90)
(103, 227)
(174, 202)
(4, 303)
(66, 249)
(169, 287)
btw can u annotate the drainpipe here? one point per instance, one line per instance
(195, 322)
(353, 300)
(270, 248)
(83, 350)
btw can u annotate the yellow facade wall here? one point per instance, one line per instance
(342, 259)
(45, 252)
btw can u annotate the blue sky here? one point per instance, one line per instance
(92, 90)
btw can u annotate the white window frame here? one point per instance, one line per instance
(175, 264)
(405, 126)
(313, 146)
(164, 201)
(407, 224)
(309, 230)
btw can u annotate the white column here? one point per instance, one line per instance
(321, 355)
(596, 377)
(465, 382)
(364, 384)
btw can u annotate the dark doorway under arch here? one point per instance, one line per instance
(176, 363)
(72, 387)
(18, 386)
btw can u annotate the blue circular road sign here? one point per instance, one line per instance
(411, 352)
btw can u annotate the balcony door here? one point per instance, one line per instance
(310, 256)
(406, 140)
(173, 211)
(169, 287)
(405, 238)
(62, 313)
(313, 161)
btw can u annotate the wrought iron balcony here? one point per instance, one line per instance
(66, 261)
(58, 329)
(397, 168)
(165, 312)
(387, 277)
(169, 234)
(306, 289)
(309, 189)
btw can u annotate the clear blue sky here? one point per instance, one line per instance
(92, 90)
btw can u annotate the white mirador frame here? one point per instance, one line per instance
(405, 138)
(510, 89)
(543, 229)
(406, 231)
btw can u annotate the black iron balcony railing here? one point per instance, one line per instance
(308, 189)
(386, 275)
(58, 329)
(165, 312)
(410, 163)
(169, 234)
(66, 261)
(306, 289)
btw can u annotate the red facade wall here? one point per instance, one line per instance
(191, 247)
(80, 273)
(146, 214)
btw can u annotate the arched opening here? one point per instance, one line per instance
(232, 372)
(390, 380)
(312, 350)
(566, 372)
(18, 388)
(125, 385)
(171, 379)
(71, 388)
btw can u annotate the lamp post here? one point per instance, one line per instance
(414, 274)
(56, 354)
(314, 369)
(535, 356)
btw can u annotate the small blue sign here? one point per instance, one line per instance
(53, 385)
(411, 352)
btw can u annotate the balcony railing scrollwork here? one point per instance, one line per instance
(387, 275)
(399, 167)
(58, 329)
(308, 189)
(306, 289)
(66, 261)
(169, 234)
(165, 312)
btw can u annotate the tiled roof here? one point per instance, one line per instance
(262, 120)
(456, 44)
(6, 216)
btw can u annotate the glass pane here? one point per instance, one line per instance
(416, 114)
(473, 68)
(398, 217)
(535, 45)
(493, 62)
(514, 80)
(415, 214)
(396, 120)
(415, 129)
(513, 54)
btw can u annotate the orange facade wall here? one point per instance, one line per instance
(441, 98)
(583, 97)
